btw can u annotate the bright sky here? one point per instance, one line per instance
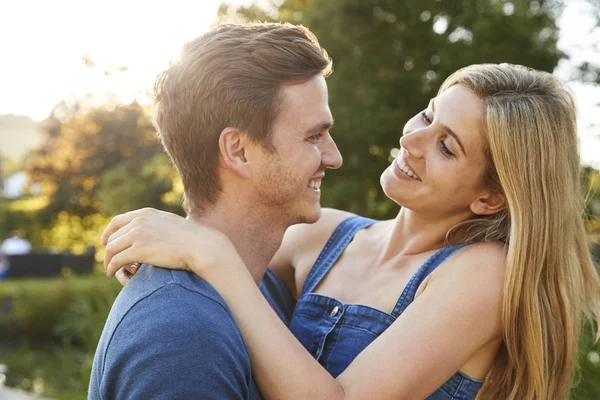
(42, 43)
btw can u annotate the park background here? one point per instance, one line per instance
(77, 144)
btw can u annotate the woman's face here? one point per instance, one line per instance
(442, 150)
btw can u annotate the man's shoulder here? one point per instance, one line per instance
(156, 296)
(162, 302)
(151, 281)
(168, 323)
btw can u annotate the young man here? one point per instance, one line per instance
(244, 117)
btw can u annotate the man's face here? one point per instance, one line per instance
(288, 180)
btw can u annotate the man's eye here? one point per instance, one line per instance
(316, 137)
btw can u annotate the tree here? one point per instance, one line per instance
(129, 185)
(590, 182)
(94, 160)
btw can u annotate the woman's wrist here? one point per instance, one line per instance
(218, 264)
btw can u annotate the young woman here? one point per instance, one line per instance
(476, 289)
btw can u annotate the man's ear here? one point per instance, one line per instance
(233, 147)
(489, 203)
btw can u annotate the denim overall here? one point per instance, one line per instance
(335, 333)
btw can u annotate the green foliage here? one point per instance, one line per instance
(11, 219)
(588, 374)
(50, 332)
(73, 233)
(83, 145)
(129, 185)
(82, 321)
(590, 182)
(53, 372)
(95, 163)
(41, 311)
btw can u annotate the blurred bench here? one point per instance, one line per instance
(48, 265)
(79, 264)
(38, 265)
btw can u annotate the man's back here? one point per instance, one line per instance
(170, 335)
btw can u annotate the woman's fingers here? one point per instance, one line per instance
(124, 257)
(125, 273)
(116, 246)
(132, 268)
(149, 236)
(122, 276)
(124, 219)
(117, 223)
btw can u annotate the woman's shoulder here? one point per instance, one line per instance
(480, 264)
(493, 252)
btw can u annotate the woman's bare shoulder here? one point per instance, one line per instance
(493, 253)
(479, 264)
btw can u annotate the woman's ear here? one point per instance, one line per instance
(489, 203)
(233, 148)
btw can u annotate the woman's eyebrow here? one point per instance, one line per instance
(448, 130)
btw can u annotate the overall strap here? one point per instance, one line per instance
(334, 247)
(408, 295)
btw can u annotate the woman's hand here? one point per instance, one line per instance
(125, 273)
(163, 239)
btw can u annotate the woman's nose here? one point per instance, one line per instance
(413, 143)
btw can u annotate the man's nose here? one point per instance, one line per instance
(330, 156)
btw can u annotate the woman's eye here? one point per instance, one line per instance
(425, 117)
(445, 149)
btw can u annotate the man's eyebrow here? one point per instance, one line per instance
(449, 131)
(321, 126)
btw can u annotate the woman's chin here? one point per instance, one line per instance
(390, 187)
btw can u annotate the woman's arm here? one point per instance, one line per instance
(457, 314)
(292, 262)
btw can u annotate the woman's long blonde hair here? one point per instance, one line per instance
(551, 282)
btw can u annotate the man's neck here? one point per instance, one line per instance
(254, 234)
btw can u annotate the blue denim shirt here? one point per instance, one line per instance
(170, 335)
(335, 333)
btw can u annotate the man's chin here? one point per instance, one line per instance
(309, 217)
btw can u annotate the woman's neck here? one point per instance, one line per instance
(411, 233)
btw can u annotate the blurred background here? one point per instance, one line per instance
(77, 145)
